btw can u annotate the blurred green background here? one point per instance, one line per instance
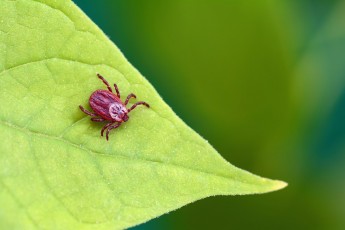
(264, 82)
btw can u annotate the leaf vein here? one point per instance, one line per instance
(50, 189)
(27, 130)
(65, 15)
(59, 59)
(20, 205)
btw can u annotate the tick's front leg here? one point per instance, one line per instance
(139, 103)
(129, 97)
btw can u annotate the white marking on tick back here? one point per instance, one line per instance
(117, 110)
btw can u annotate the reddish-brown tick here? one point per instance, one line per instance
(108, 107)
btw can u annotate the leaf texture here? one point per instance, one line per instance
(56, 172)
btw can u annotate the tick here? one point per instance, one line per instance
(108, 107)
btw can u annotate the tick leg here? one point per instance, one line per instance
(114, 126)
(105, 82)
(117, 91)
(96, 119)
(105, 127)
(139, 103)
(87, 112)
(129, 97)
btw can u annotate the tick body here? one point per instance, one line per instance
(108, 107)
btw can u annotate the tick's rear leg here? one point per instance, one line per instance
(87, 112)
(114, 126)
(105, 127)
(97, 119)
(139, 103)
(105, 82)
(129, 97)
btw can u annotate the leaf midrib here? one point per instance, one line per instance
(94, 152)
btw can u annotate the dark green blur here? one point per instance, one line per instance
(264, 82)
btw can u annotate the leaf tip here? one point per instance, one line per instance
(278, 185)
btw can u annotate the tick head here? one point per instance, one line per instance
(118, 112)
(125, 117)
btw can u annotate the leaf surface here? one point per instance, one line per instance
(55, 169)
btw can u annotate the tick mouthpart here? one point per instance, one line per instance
(125, 118)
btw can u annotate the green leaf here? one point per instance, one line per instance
(55, 169)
